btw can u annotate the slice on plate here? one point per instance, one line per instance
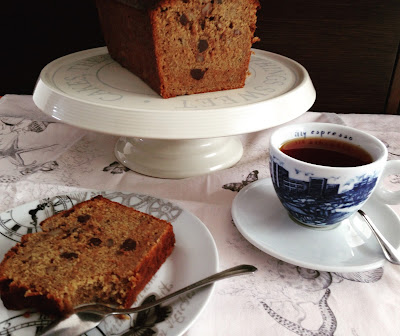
(97, 251)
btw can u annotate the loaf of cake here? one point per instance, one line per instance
(97, 251)
(181, 47)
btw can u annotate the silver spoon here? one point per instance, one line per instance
(88, 316)
(389, 251)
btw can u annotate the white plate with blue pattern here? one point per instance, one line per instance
(195, 256)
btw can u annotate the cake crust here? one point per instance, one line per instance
(97, 251)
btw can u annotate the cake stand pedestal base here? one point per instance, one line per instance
(178, 158)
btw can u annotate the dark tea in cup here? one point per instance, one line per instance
(326, 152)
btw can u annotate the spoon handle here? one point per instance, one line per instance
(230, 272)
(389, 251)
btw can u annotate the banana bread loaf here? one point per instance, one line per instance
(97, 251)
(181, 47)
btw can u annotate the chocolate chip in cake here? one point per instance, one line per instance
(128, 245)
(183, 20)
(109, 242)
(69, 255)
(95, 241)
(197, 73)
(68, 212)
(202, 45)
(83, 218)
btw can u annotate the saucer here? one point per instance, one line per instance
(349, 247)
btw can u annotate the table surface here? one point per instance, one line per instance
(42, 158)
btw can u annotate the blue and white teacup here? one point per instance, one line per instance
(323, 196)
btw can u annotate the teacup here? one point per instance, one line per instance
(317, 193)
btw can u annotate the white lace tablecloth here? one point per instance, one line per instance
(43, 158)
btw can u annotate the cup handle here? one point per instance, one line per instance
(384, 195)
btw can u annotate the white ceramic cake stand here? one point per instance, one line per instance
(176, 137)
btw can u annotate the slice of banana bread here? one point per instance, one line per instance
(97, 251)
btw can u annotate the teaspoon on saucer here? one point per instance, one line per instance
(88, 316)
(391, 254)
